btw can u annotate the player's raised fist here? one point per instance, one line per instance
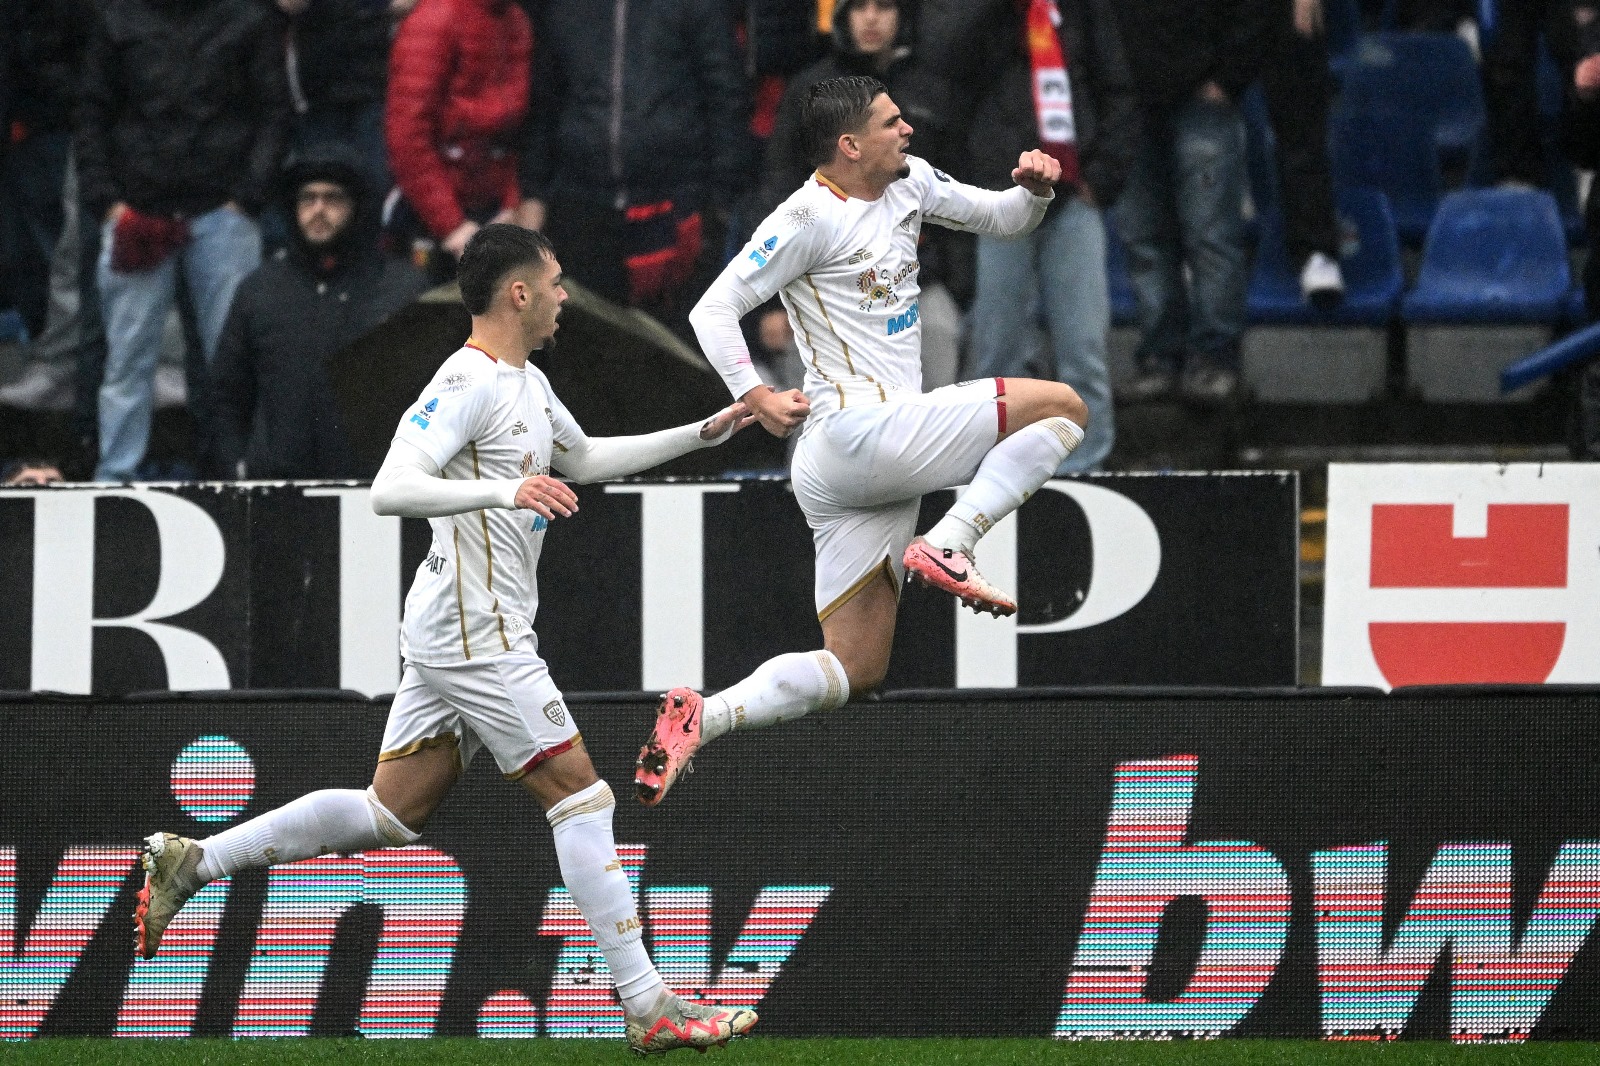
(778, 412)
(1037, 171)
(547, 496)
(726, 422)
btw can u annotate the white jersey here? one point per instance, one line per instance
(477, 591)
(847, 272)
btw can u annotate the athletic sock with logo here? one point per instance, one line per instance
(333, 819)
(782, 688)
(1011, 472)
(591, 871)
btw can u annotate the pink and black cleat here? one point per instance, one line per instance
(954, 572)
(672, 744)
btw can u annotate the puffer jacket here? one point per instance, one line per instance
(458, 94)
(647, 102)
(183, 106)
(273, 405)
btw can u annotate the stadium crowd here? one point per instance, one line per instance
(201, 200)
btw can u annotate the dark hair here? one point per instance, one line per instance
(834, 107)
(493, 252)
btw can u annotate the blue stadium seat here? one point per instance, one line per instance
(1492, 256)
(1394, 154)
(1429, 75)
(1369, 257)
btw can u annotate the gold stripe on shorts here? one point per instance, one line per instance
(417, 745)
(885, 568)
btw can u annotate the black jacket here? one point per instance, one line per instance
(982, 44)
(660, 112)
(1176, 46)
(341, 50)
(183, 106)
(45, 40)
(272, 401)
(924, 99)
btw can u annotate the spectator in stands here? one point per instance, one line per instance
(1294, 82)
(874, 37)
(458, 95)
(1581, 134)
(1183, 206)
(30, 473)
(1007, 55)
(44, 40)
(641, 125)
(275, 412)
(337, 54)
(183, 115)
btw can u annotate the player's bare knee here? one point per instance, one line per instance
(1066, 403)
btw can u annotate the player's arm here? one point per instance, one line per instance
(409, 484)
(780, 252)
(588, 459)
(1012, 213)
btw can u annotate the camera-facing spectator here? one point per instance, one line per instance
(30, 473)
(183, 115)
(458, 93)
(276, 416)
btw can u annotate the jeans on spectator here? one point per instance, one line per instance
(30, 212)
(1183, 206)
(224, 247)
(1060, 270)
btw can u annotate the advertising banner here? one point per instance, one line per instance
(1336, 865)
(1462, 573)
(1123, 579)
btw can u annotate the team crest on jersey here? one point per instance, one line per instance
(456, 382)
(911, 216)
(555, 712)
(859, 257)
(518, 428)
(877, 288)
(527, 464)
(424, 417)
(941, 175)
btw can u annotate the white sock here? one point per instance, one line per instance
(782, 688)
(334, 819)
(1011, 472)
(599, 886)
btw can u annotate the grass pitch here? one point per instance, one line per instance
(449, 1052)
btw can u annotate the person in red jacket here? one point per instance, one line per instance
(458, 92)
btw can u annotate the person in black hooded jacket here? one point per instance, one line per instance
(274, 410)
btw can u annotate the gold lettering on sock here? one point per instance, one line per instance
(981, 522)
(613, 866)
(738, 716)
(629, 925)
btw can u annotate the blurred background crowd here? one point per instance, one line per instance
(201, 201)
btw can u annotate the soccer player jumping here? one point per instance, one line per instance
(842, 254)
(473, 457)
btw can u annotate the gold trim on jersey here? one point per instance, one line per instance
(885, 568)
(849, 363)
(488, 555)
(417, 745)
(461, 604)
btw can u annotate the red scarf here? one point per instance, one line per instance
(1052, 89)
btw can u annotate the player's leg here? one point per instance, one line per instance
(856, 593)
(579, 807)
(1040, 422)
(418, 764)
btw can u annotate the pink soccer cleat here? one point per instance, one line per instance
(676, 1023)
(956, 573)
(672, 744)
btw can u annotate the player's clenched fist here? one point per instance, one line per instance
(1037, 171)
(778, 412)
(547, 496)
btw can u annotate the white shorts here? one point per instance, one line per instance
(506, 703)
(859, 475)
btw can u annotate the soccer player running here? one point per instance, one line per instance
(842, 253)
(472, 456)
